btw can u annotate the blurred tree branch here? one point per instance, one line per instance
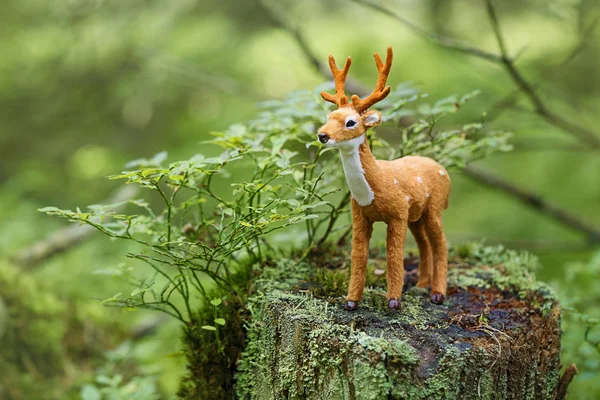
(147, 327)
(549, 72)
(278, 19)
(191, 74)
(530, 199)
(440, 40)
(65, 238)
(581, 133)
(534, 201)
(594, 343)
(548, 144)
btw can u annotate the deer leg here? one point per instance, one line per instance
(396, 233)
(361, 235)
(417, 228)
(435, 232)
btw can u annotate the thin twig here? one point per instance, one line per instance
(343, 203)
(594, 343)
(344, 237)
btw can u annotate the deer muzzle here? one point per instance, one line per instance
(323, 137)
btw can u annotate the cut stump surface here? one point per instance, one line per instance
(497, 335)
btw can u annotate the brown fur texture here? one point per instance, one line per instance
(410, 192)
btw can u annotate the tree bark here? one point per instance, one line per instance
(497, 336)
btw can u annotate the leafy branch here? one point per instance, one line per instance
(205, 220)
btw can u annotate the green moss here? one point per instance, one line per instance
(210, 372)
(442, 385)
(313, 353)
(302, 345)
(497, 266)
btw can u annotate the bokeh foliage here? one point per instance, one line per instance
(88, 85)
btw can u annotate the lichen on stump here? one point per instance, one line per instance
(497, 336)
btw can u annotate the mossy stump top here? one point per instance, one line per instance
(497, 336)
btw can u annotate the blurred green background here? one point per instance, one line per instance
(86, 85)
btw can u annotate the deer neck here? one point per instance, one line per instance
(359, 168)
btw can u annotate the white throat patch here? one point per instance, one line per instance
(355, 175)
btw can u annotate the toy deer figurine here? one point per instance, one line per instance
(408, 192)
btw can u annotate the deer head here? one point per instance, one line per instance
(347, 125)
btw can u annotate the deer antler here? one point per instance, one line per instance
(381, 91)
(339, 77)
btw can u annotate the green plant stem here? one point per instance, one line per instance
(220, 346)
(335, 214)
(169, 210)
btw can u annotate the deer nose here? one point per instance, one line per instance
(323, 137)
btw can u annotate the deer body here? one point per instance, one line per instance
(407, 193)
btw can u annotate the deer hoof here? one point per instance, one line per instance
(394, 304)
(437, 298)
(351, 305)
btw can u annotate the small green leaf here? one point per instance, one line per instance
(89, 392)
(293, 202)
(114, 298)
(108, 271)
(159, 158)
(137, 291)
(219, 321)
(48, 209)
(104, 380)
(209, 327)
(216, 302)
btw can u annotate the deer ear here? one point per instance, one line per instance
(372, 118)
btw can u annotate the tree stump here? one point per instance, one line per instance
(497, 336)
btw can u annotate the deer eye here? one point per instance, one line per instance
(350, 123)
